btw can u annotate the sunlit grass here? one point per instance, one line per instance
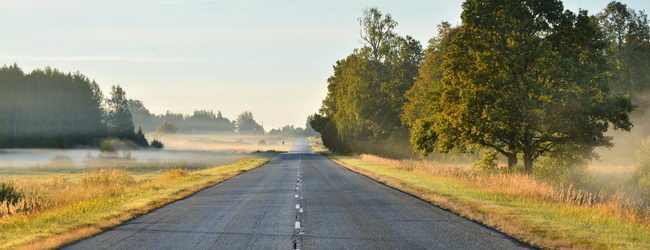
(71, 205)
(531, 210)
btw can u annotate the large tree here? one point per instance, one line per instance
(523, 78)
(119, 119)
(366, 92)
(246, 124)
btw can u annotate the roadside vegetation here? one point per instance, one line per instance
(45, 208)
(532, 210)
(514, 105)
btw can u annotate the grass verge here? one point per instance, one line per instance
(83, 218)
(536, 221)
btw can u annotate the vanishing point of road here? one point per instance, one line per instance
(299, 200)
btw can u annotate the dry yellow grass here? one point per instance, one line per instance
(70, 207)
(522, 185)
(535, 212)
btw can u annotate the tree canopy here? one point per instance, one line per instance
(246, 124)
(523, 78)
(366, 91)
(48, 108)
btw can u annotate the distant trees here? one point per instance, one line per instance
(628, 34)
(207, 121)
(118, 119)
(246, 124)
(48, 108)
(366, 92)
(201, 121)
(166, 128)
(142, 117)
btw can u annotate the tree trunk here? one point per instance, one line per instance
(528, 162)
(512, 161)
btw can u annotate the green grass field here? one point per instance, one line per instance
(527, 216)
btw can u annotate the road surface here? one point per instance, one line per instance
(299, 200)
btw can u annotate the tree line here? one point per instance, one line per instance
(520, 79)
(292, 131)
(49, 108)
(201, 121)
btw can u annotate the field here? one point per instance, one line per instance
(52, 197)
(536, 212)
(223, 142)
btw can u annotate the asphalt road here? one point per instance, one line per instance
(299, 200)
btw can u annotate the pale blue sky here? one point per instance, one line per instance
(269, 57)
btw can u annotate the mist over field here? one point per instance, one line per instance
(529, 118)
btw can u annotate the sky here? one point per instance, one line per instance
(269, 57)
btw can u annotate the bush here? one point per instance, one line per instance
(9, 192)
(488, 162)
(107, 146)
(166, 128)
(562, 170)
(157, 144)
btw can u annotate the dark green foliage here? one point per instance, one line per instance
(361, 112)
(523, 78)
(329, 134)
(47, 108)
(140, 139)
(118, 118)
(9, 193)
(157, 144)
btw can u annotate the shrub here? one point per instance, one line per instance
(157, 144)
(166, 128)
(9, 192)
(488, 162)
(107, 146)
(562, 171)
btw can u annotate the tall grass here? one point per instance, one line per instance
(520, 185)
(33, 196)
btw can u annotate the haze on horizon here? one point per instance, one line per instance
(272, 58)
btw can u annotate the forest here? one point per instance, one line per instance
(516, 81)
(52, 109)
(47, 108)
